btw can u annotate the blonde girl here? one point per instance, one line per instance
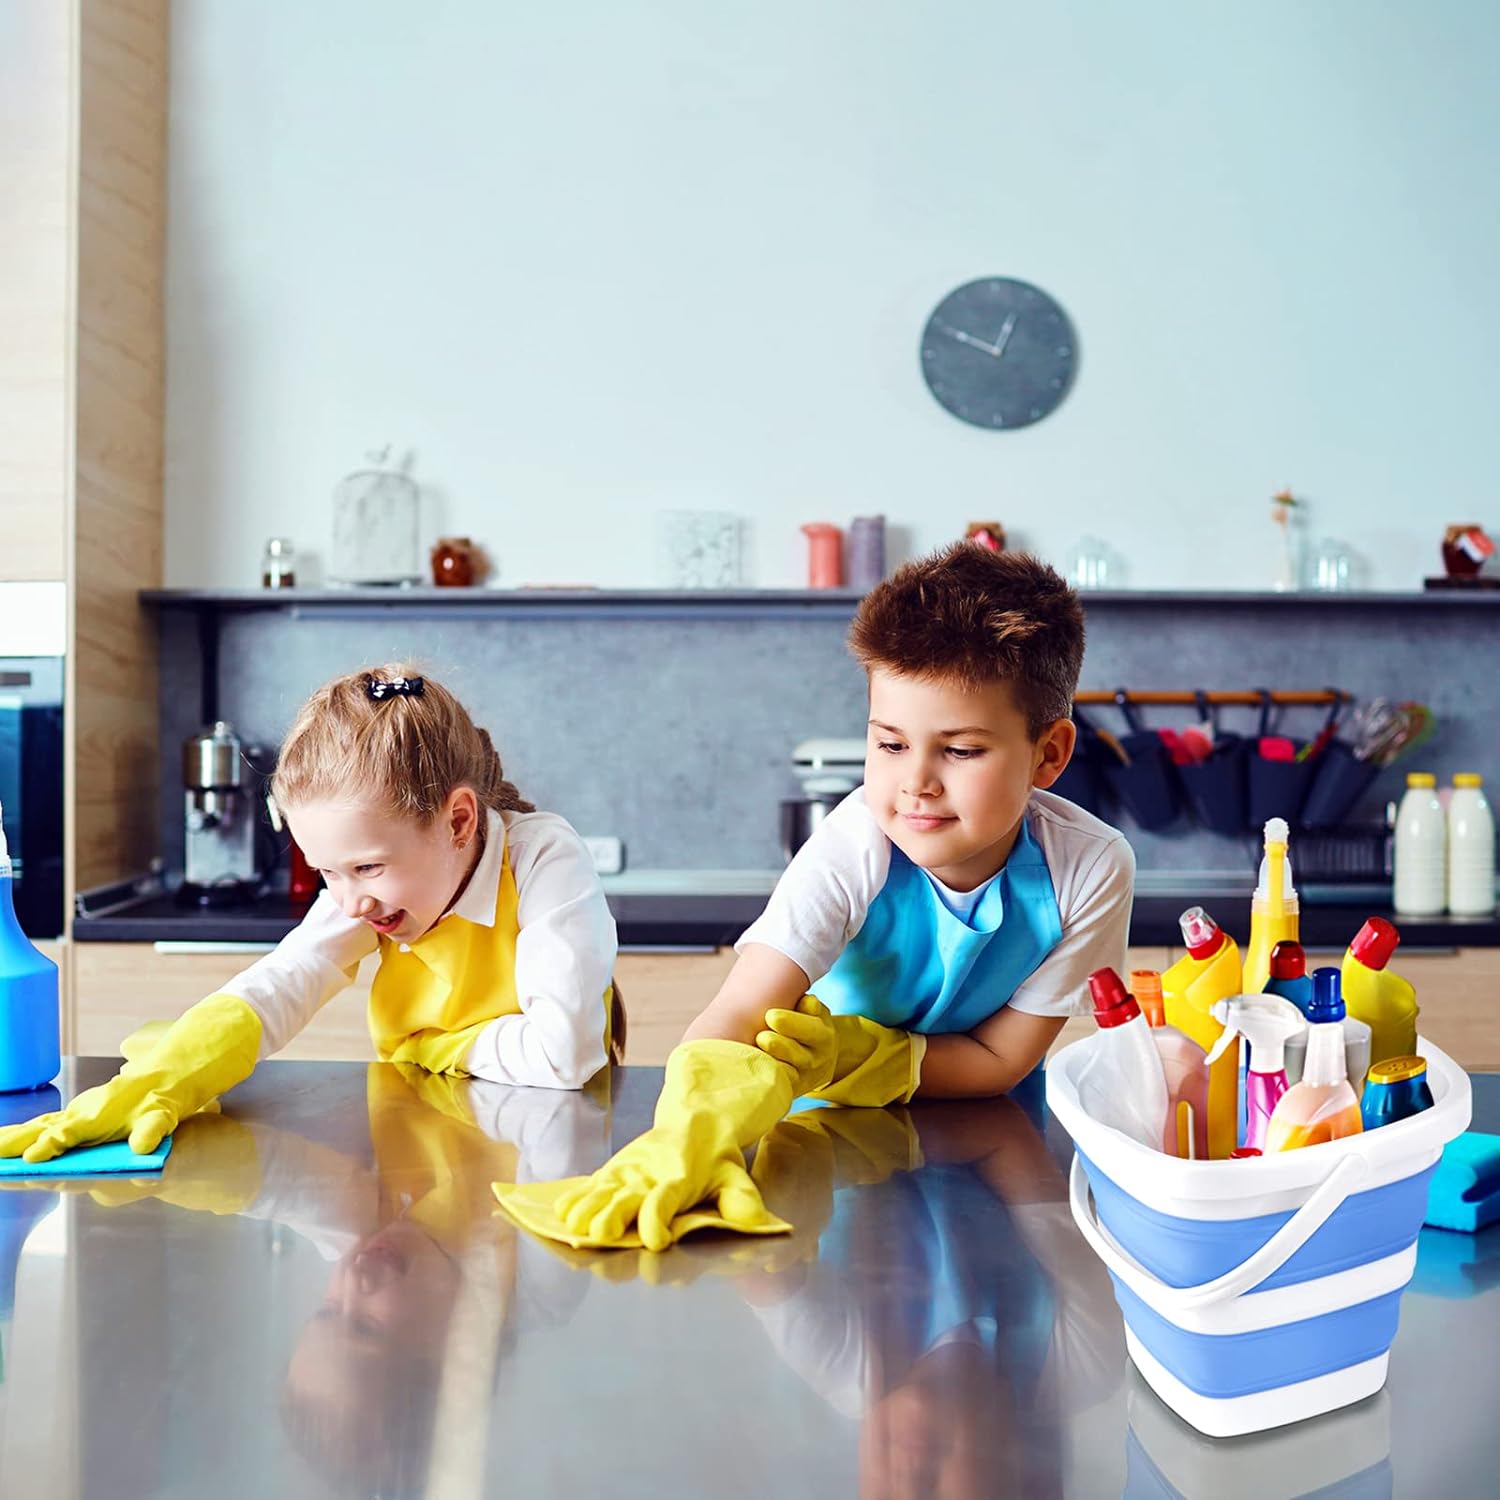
(496, 943)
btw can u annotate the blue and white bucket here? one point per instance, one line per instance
(1259, 1292)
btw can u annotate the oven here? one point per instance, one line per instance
(31, 787)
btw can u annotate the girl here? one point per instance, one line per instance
(496, 944)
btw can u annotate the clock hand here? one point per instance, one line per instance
(1005, 333)
(967, 338)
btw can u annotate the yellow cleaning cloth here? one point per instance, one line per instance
(684, 1174)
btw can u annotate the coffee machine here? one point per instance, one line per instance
(828, 769)
(221, 811)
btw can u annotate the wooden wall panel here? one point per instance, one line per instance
(36, 142)
(116, 535)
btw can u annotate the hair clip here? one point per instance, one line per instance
(400, 687)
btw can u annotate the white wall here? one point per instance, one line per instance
(595, 259)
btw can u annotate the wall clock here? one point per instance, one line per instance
(999, 353)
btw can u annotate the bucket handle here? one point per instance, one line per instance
(1266, 1261)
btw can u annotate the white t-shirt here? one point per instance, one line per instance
(820, 903)
(565, 957)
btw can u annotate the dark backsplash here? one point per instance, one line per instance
(675, 734)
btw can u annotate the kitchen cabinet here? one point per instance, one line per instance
(35, 151)
(123, 985)
(83, 116)
(120, 986)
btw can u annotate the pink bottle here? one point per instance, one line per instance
(1185, 1068)
(825, 555)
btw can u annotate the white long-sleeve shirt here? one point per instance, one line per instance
(565, 955)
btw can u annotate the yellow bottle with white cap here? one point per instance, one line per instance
(1274, 909)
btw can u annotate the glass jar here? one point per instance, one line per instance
(376, 513)
(278, 564)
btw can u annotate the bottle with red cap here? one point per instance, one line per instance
(1374, 994)
(1288, 977)
(1208, 972)
(1121, 1083)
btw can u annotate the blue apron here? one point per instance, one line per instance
(917, 966)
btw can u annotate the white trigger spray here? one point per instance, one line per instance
(1267, 1022)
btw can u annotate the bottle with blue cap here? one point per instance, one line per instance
(28, 998)
(1323, 1106)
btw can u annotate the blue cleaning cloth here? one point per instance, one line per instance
(1465, 1189)
(114, 1160)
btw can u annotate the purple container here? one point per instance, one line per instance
(866, 552)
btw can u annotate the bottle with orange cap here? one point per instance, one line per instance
(1209, 971)
(1184, 1065)
(1374, 994)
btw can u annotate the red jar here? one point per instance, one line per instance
(454, 562)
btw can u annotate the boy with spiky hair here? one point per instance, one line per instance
(935, 931)
(951, 901)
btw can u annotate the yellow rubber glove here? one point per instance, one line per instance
(208, 1049)
(844, 1059)
(717, 1098)
(439, 1051)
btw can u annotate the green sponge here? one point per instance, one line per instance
(1465, 1189)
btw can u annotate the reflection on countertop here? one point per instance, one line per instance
(317, 1296)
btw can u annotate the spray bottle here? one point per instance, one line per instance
(1209, 971)
(1383, 1000)
(1185, 1068)
(1323, 1106)
(29, 1053)
(1266, 1022)
(1273, 909)
(1121, 1084)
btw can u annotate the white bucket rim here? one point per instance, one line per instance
(1271, 1184)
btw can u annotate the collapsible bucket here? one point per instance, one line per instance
(1256, 1293)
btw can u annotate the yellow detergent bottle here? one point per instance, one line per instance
(1383, 1000)
(1209, 971)
(1273, 908)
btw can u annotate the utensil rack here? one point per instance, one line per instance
(1221, 699)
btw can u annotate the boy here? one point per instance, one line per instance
(937, 929)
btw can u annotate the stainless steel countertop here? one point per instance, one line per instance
(316, 1298)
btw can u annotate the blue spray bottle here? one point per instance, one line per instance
(29, 1054)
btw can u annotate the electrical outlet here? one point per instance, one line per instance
(607, 853)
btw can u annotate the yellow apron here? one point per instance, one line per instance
(453, 981)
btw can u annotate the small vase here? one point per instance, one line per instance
(454, 560)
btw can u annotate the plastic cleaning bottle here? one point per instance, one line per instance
(1382, 999)
(1289, 980)
(1322, 1107)
(1274, 909)
(1288, 977)
(1184, 1065)
(1267, 1023)
(1121, 1084)
(29, 1053)
(1471, 848)
(1209, 971)
(1421, 849)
